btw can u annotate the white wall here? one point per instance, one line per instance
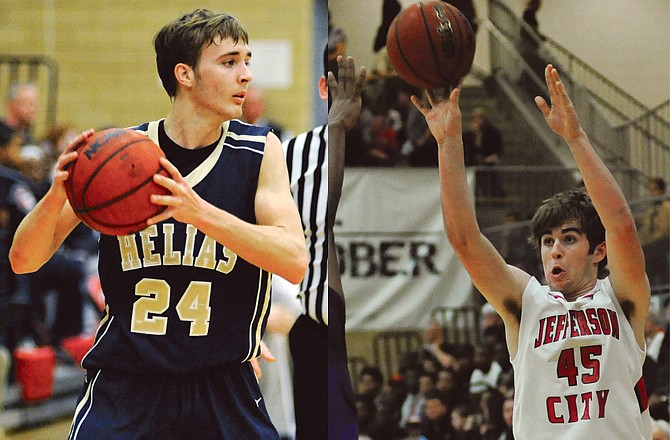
(627, 41)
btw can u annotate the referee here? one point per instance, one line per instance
(307, 163)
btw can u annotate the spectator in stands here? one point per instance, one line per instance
(655, 233)
(382, 66)
(367, 417)
(370, 382)
(507, 413)
(465, 421)
(436, 421)
(491, 326)
(529, 47)
(16, 200)
(483, 146)
(486, 372)
(22, 106)
(254, 112)
(654, 333)
(515, 248)
(412, 406)
(62, 274)
(491, 407)
(384, 130)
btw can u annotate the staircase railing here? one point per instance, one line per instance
(625, 130)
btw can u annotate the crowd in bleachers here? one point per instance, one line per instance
(466, 390)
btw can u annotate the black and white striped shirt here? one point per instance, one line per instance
(307, 162)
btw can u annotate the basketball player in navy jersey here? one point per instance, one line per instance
(577, 345)
(188, 297)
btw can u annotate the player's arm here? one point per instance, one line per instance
(45, 228)
(502, 285)
(276, 243)
(624, 252)
(342, 116)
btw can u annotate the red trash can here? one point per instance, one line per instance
(77, 346)
(35, 372)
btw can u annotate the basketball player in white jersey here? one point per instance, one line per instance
(577, 345)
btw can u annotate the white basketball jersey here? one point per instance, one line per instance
(578, 369)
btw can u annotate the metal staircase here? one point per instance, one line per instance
(627, 135)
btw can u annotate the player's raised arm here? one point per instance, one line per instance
(502, 285)
(624, 253)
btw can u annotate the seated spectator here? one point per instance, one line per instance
(507, 413)
(436, 420)
(412, 406)
(370, 382)
(491, 406)
(486, 372)
(465, 421)
(367, 412)
(655, 233)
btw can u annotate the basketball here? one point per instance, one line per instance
(431, 44)
(112, 179)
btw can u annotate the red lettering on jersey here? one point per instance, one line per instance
(555, 414)
(549, 333)
(604, 319)
(586, 399)
(560, 327)
(602, 400)
(538, 340)
(551, 410)
(583, 325)
(593, 320)
(572, 408)
(574, 330)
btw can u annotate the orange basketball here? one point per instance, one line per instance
(112, 179)
(431, 44)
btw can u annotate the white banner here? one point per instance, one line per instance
(396, 262)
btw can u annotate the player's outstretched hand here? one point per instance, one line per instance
(561, 117)
(345, 93)
(442, 115)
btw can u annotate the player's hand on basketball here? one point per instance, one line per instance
(442, 115)
(561, 116)
(183, 204)
(66, 158)
(345, 93)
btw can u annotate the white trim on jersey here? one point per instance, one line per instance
(256, 322)
(307, 161)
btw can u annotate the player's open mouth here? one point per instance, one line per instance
(556, 270)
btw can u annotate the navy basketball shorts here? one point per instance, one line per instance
(342, 419)
(223, 403)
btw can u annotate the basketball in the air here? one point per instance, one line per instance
(431, 44)
(111, 181)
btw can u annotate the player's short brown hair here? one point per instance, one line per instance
(571, 205)
(183, 40)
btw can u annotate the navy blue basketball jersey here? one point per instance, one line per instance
(178, 301)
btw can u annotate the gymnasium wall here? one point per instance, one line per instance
(106, 58)
(627, 41)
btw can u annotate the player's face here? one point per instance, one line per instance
(568, 266)
(222, 76)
